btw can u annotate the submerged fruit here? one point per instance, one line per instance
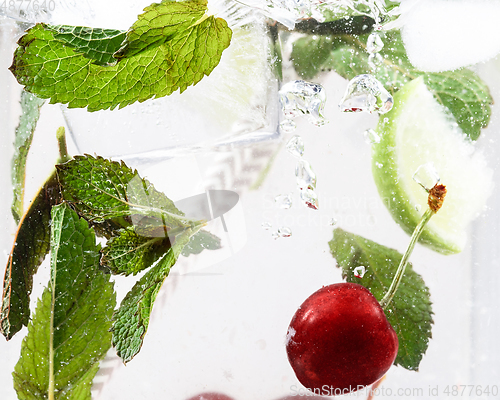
(418, 132)
(340, 338)
(210, 396)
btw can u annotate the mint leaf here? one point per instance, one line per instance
(69, 333)
(410, 312)
(101, 189)
(31, 245)
(30, 108)
(131, 320)
(150, 67)
(96, 44)
(461, 91)
(203, 240)
(159, 23)
(130, 253)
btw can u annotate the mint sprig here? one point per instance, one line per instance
(75, 65)
(69, 333)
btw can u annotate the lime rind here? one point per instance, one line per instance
(419, 130)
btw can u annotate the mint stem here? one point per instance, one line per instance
(63, 148)
(404, 261)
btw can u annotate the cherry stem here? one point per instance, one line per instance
(435, 201)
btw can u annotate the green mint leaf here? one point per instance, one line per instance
(131, 320)
(30, 112)
(32, 244)
(410, 311)
(461, 91)
(130, 253)
(159, 23)
(69, 333)
(49, 68)
(101, 189)
(96, 44)
(203, 240)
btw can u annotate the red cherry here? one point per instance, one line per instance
(340, 339)
(210, 396)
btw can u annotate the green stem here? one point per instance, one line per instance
(404, 261)
(61, 141)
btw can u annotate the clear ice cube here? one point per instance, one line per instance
(303, 98)
(366, 93)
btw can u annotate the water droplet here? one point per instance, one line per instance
(295, 146)
(287, 125)
(284, 200)
(359, 272)
(374, 43)
(310, 198)
(418, 207)
(333, 221)
(275, 235)
(426, 176)
(366, 93)
(303, 98)
(267, 225)
(379, 165)
(375, 60)
(284, 231)
(306, 178)
(371, 137)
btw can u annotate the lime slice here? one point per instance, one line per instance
(417, 131)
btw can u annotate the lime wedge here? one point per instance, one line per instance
(418, 131)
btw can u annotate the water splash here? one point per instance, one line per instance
(295, 146)
(283, 201)
(426, 176)
(371, 137)
(266, 225)
(288, 125)
(333, 221)
(374, 43)
(309, 198)
(303, 98)
(359, 272)
(366, 93)
(306, 178)
(284, 231)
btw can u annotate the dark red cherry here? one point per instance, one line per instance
(340, 338)
(210, 396)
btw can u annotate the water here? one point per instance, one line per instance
(205, 319)
(366, 93)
